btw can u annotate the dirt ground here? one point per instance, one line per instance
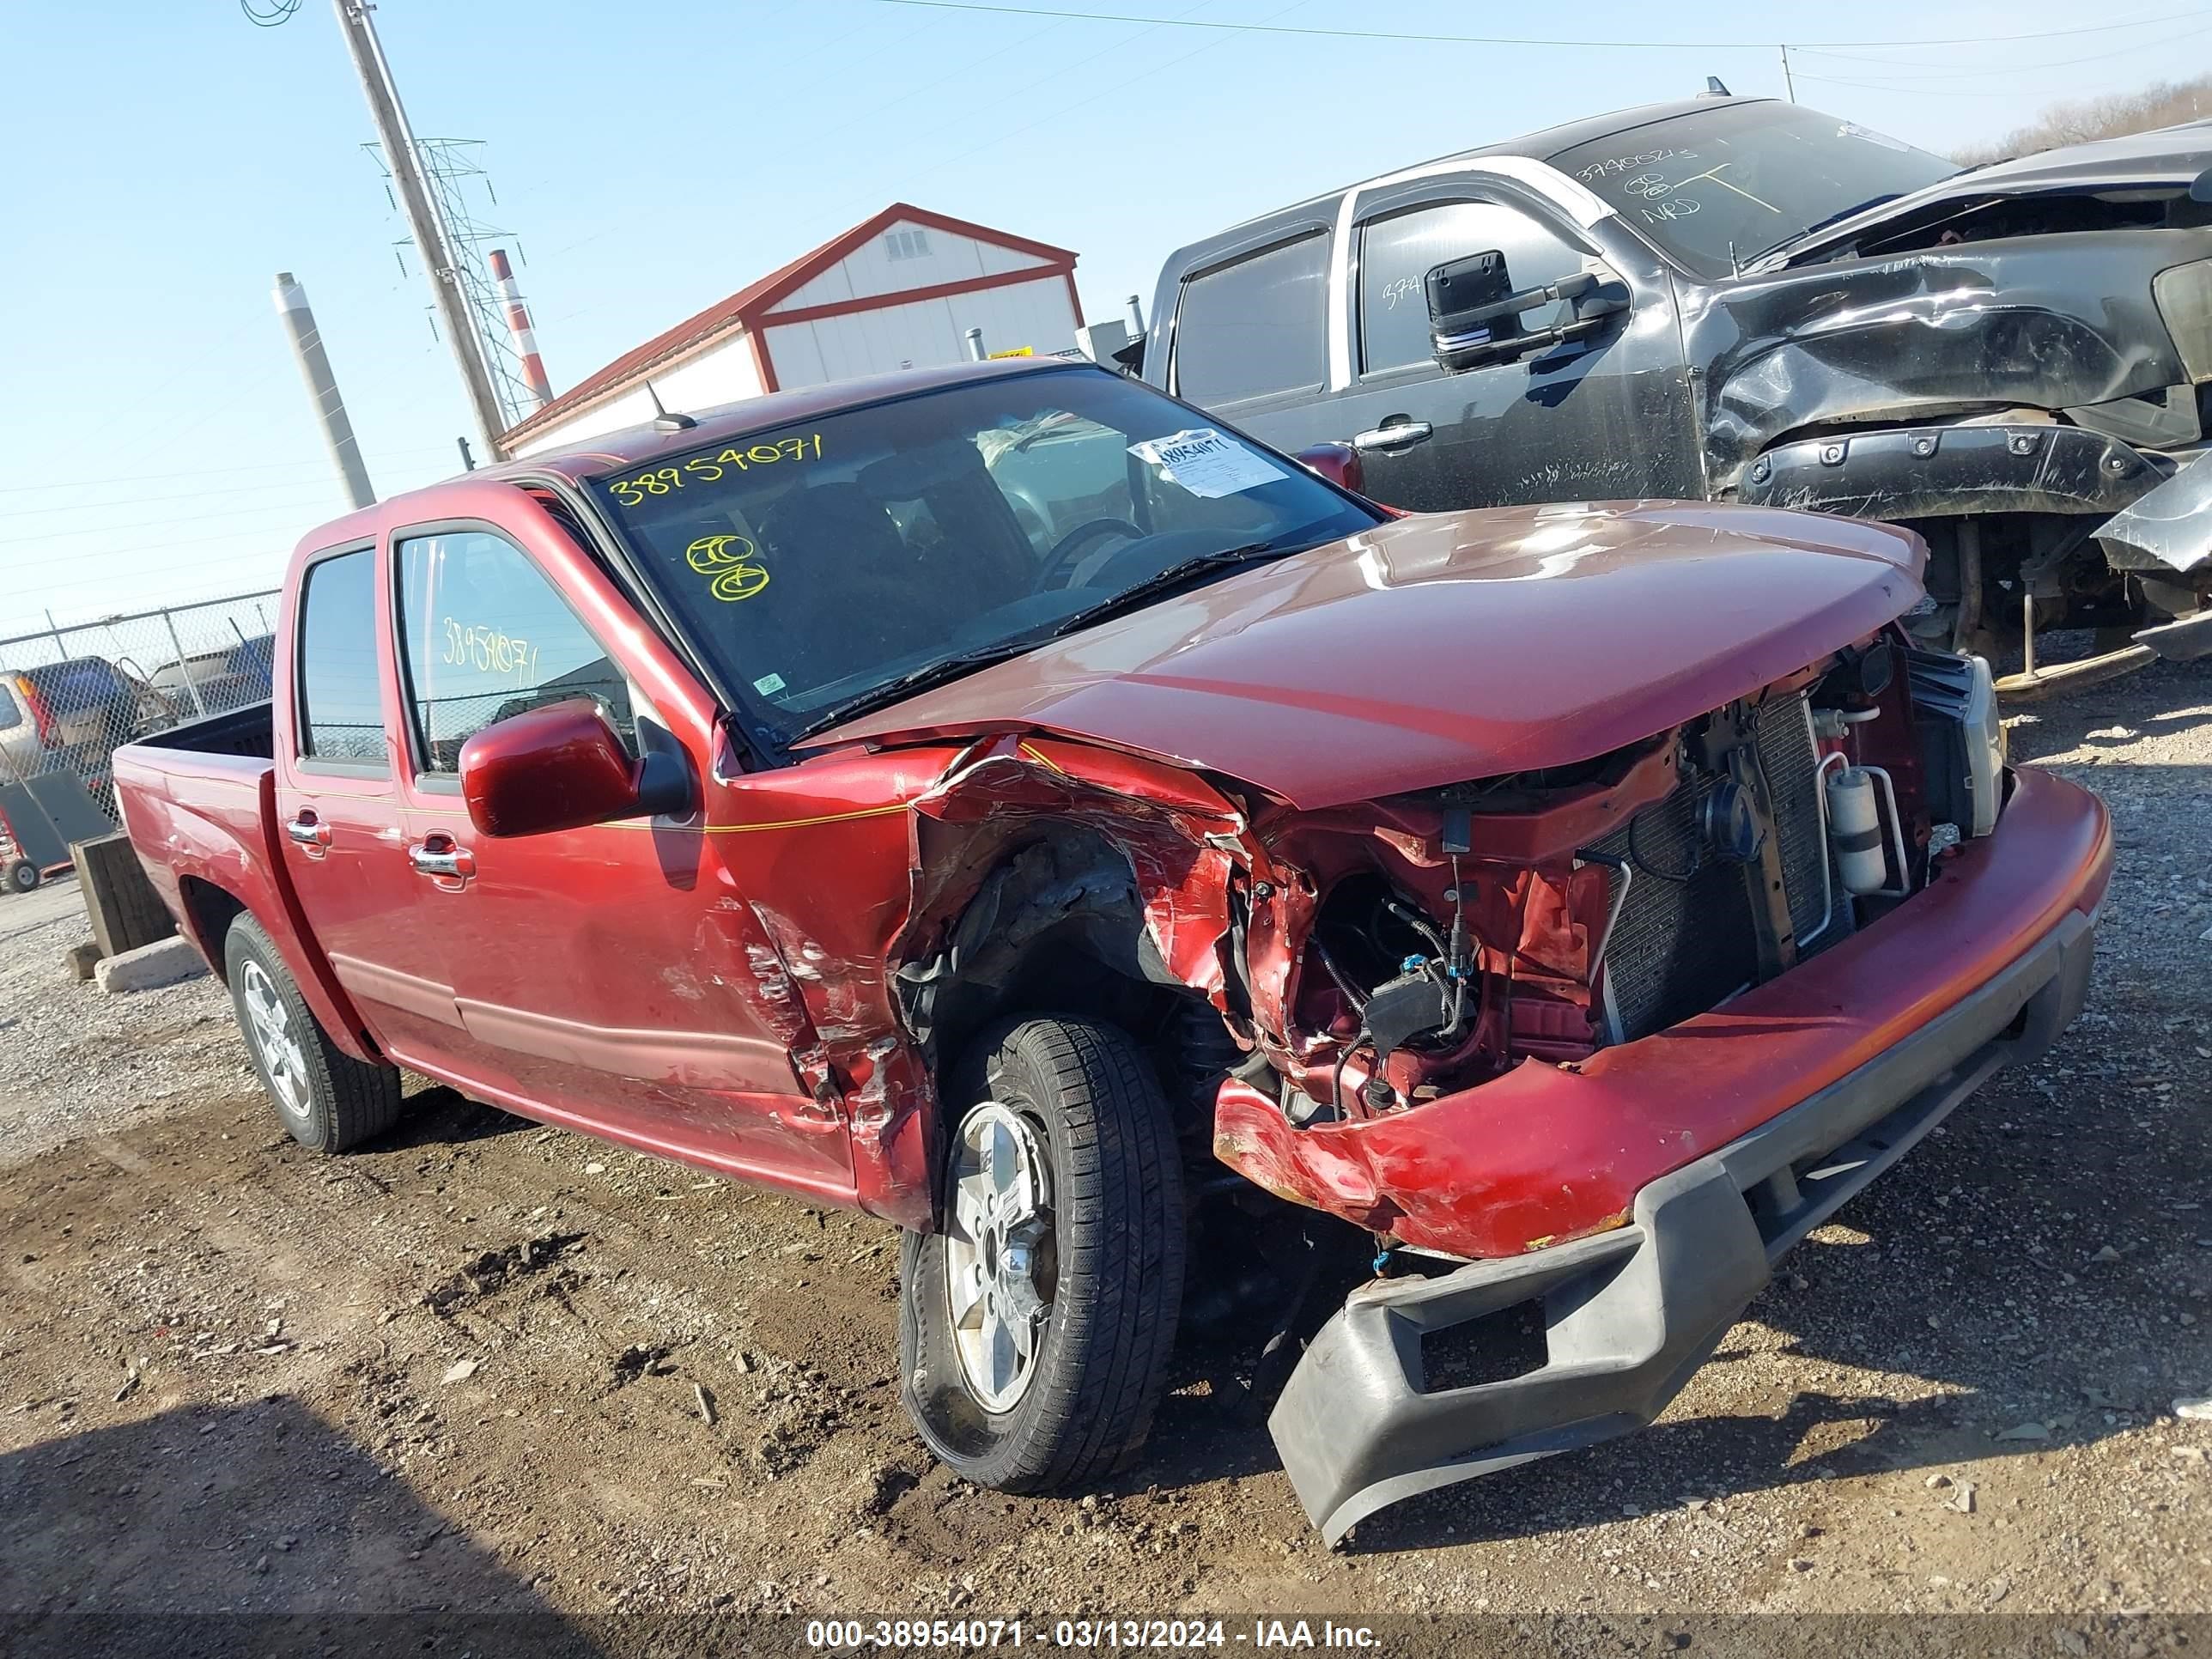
(488, 1368)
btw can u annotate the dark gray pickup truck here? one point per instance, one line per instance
(1740, 299)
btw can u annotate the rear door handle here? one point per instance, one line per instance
(1397, 435)
(308, 830)
(441, 859)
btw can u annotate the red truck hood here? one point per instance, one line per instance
(1447, 647)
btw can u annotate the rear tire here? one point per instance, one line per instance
(1097, 1286)
(328, 1101)
(23, 876)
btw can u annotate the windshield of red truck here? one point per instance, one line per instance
(1715, 188)
(821, 564)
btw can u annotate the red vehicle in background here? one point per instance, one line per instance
(998, 797)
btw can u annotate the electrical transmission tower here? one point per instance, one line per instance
(449, 165)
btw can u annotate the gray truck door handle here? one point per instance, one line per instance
(1401, 435)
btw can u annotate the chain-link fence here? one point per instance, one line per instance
(70, 696)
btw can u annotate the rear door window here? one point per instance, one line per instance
(340, 708)
(1397, 254)
(1254, 327)
(486, 636)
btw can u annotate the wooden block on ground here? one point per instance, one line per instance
(82, 959)
(126, 913)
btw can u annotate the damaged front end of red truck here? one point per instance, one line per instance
(1588, 1001)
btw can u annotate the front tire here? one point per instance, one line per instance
(328, 1100)
(22, 877)
(1035, 1330)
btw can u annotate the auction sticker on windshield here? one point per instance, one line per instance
(1207, 463)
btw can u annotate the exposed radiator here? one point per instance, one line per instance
(1684, 939)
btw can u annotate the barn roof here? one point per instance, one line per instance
(742, 309)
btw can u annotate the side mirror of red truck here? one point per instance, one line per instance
(1337, 463)
(561, 767)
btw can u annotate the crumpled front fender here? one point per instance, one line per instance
(2166, 528)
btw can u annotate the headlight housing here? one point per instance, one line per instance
(2183, 294)
(1962, 739)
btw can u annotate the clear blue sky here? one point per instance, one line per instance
(166, 158)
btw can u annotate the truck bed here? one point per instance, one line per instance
(249, 731)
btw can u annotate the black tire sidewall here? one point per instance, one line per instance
(1030, 1447)
(316, 1128)
(23, 877)
(987, 1447)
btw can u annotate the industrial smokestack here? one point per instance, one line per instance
(518, 322)
(1136, 319)
(323, 389)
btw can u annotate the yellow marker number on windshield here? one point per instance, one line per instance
(728, 560)
(635, 490)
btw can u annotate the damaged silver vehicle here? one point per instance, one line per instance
(1740, 299)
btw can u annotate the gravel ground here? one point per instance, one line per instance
(491, 1367)
(75, 1061)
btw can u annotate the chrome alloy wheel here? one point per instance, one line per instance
(999, 1261)
(282, 1061)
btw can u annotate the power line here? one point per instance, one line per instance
(2048, 97)
(2017, 69)
(207, 472)
(39, 536)
(76, 509)
(1058, 109)
(1581, 43)
(277, 556)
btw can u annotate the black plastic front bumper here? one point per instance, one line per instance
(1629, 1315)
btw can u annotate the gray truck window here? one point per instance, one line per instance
(1397, 253)
(1728, 182)
(485, 636)
(1256, 326)
(341, 710)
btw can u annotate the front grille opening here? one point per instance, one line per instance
(1687, 939)
(1495, 1348)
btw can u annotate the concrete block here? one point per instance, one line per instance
(165, 962)
(82, 959)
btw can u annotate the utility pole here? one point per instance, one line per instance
(323, 389)
(422, 220)
(1788, 83)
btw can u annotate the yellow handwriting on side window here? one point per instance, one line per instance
(489, 651)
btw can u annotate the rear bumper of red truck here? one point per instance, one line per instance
(1676, 1169)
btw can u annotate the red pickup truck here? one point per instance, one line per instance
(997, 797)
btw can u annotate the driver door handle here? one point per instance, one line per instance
(440, 857)
(308, 830)
(1396, 435)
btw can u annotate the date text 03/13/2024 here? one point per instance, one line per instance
(849, 1634)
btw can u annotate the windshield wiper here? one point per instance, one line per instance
(1837, 218)
(952, 667)
(918, 679)
(1173, 577)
